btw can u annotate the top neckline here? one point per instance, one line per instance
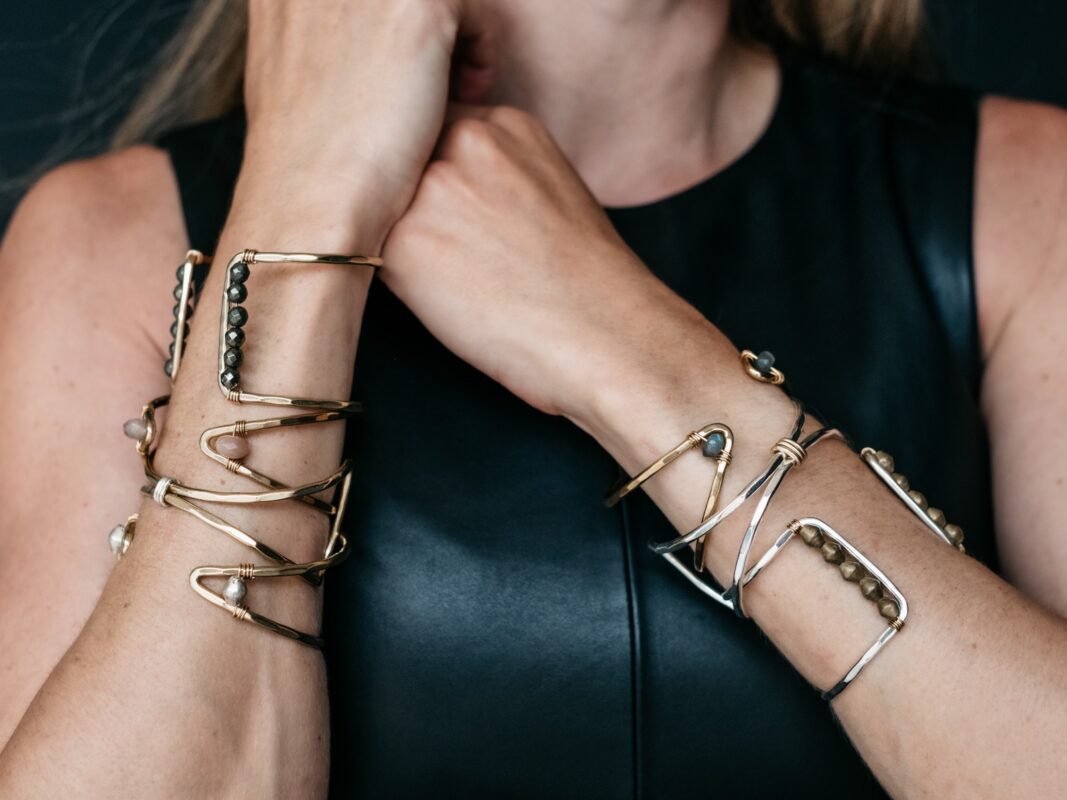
(749, 154)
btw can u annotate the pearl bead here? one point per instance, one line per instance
(235, 591)
(901, 481)
(168, 367)
(714, 444)
(134, 429)
(885, 461)
(232, 447)
(116, 540)
(936, 515)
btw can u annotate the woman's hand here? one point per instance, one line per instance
(509, 260)
(345, 99)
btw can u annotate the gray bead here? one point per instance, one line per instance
(174, 329)
(885, 461)
(936, 514)
(235, 337)
(180, 274)
(237, 292)
(237, 316)
(232, 357)
(178, 292)
(168, 367)
(714, 444)
(235, 591)
(239, 272)
(764, 362)
(901, 481)
(230, 378)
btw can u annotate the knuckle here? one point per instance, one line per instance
(472, 135)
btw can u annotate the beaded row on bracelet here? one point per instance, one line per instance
(227, 445)
(184, 304)
(835, 549)
(855, 567)
(882, 464)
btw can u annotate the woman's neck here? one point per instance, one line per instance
(646, 97)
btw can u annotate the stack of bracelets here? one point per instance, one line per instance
(228, 446)
(716, 442)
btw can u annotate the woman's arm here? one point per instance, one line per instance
(1021, 274)
(570, 321)
(162, 694)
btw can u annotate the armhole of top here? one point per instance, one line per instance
(206, 157)
(935, 153)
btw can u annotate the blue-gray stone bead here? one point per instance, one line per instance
(764, 362)
(714, 444)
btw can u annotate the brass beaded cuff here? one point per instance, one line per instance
(228, 446)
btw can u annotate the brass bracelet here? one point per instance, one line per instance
(227, 445)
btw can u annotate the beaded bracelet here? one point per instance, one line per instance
(227, 445)
(855, 567)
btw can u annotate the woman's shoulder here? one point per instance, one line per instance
(114, 217)
(1020, 207)
(97, 198)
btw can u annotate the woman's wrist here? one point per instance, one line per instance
(305, 208)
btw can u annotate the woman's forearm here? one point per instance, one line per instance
(975, 659)
(164, 694)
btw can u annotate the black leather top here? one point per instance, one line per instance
(497, 632)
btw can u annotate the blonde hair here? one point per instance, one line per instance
(199, 75)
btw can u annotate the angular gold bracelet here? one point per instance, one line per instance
(227, 445)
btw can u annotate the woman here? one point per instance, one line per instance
(496, 631)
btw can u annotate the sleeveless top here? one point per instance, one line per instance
(497, 632)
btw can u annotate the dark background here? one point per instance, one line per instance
(68, 68)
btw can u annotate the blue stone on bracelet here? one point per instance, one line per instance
(714, 444)
(764, 362)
